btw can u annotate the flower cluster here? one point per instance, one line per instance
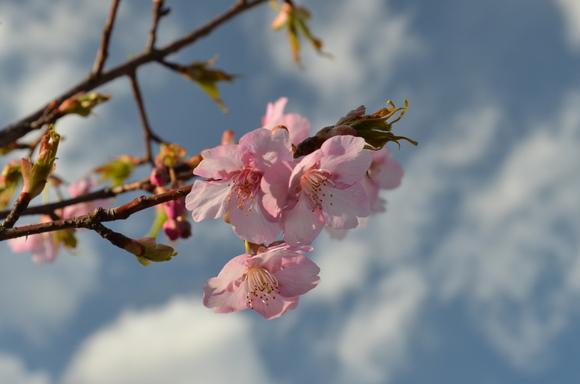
(264, 190)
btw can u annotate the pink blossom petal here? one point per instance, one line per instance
(267, 147)
(275, 186)
(275, 307)
(225, 301)
(250, 224)
(345, 207)
(274, 112)
(42, 246)
(206, 199)
(81, 186)
(298, 278)
(377, 204)
(21, 244)
(301, 224)
(345, 158)
(387, 174)
(298, 127)
(45, 251)
(219, 162)
(229, 277)
(78, 188)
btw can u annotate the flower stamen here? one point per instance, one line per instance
(261, 285)
(314, 184)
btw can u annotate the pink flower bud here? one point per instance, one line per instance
(185, 229)
(228, 137)
(171, 229)
(159, 176)
(174, 208)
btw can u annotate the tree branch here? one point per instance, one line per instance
(98, 216)
(103, 52)
(158, 13)
(16, 130)
(183, 171)
(148, 134)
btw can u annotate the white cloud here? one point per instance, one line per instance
(571, 13)
(343, 267)
(515, 254)
(375, 337)
(13, 371)
(365, 54)
(39, 299)
(46, 59)
(179, 342)
(430, 174)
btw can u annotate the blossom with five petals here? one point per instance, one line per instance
(323, 190)
(269, 283)
(233, 186)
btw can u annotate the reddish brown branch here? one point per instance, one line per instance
(99, 215)
(148, 134)
(114, 238)
(103, 52)
(16, 130)
(104, 193)
(184, 173)
(19, 206)
(158, 13)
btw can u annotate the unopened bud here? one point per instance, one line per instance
(82, 103)
(147, 250)
(228, 137)
(35, 175)
(174, 208)
(159, 176)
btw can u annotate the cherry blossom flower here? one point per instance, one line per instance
(78, 188)
(298, 126)
(43, 246)
(233, 187)
(269, 283)
(323, 190)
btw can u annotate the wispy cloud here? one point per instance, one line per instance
(14, 371)
(37, 300)
(178, 342)
(516, 251)
(374, 340)
(571, 14)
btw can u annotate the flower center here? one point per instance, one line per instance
(314, 184)
(262, 285)
(243, 188)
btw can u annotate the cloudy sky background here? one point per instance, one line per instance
(472, 276)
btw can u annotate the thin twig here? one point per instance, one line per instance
(148, 134)
(33, 121)
(103, 52)
(183, 173)
(99, 215)
(158, 13)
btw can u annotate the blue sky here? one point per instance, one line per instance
(473, 274)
